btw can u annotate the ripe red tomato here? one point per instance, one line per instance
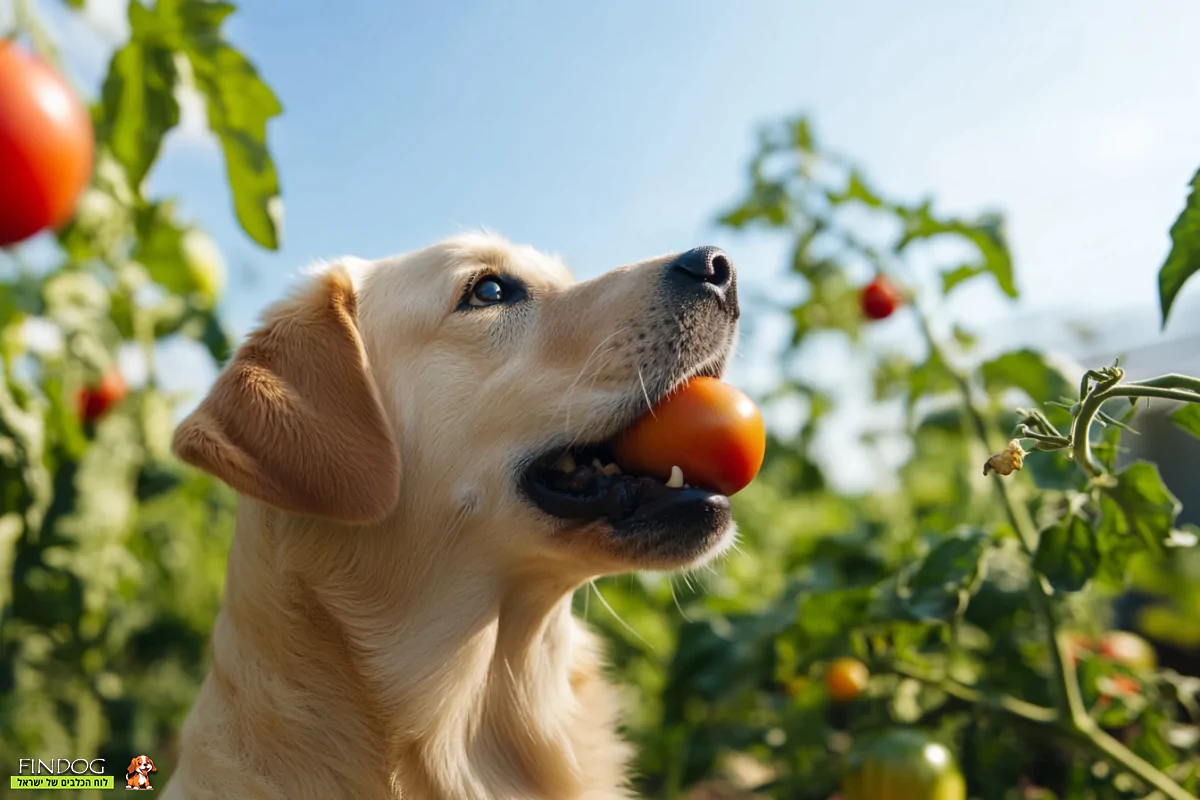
(96, 401)
(46, 146)
(880, 298)
(1129, 649)
(846, 679)
(708, 429)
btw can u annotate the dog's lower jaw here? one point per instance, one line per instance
(366, 692)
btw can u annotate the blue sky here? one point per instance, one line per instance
(609, 132)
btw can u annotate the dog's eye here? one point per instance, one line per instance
(487, 292)
(490, 290)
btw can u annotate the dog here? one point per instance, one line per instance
(397, 614)
(137, 775)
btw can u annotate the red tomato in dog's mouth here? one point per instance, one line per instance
(710, 430)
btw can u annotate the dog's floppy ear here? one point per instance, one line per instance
(132, 766)
(152, 767)
(295, 419)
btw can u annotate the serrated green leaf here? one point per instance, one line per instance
(138, 104)
(239, 105)
(1067, 554)
(1187, 417)
(1137, 514)
(1184, 259)
(986, 233)
(1028, 371)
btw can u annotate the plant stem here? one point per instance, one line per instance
(1072, 715)
(1180, 388)
(999, 702)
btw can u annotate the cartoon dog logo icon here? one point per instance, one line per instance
(137, 776)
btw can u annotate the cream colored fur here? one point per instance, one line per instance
(396, 622)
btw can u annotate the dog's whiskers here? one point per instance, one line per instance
(675, 597)
(582, 370)
(646, 394)
(617, 617)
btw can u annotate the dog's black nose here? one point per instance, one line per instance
(704, 272)
(704, 265)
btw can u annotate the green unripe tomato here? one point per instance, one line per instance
(204, 264)
(903, 764)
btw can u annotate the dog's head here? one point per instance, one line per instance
(141, 765)
(475, 365)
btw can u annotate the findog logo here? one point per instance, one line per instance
(60, 773)
(137, 776)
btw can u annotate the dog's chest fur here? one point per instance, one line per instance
(314, 692)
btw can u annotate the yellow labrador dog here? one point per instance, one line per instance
(413, 440)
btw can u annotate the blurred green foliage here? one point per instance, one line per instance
(112, 555)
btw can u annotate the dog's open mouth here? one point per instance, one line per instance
(586, 484)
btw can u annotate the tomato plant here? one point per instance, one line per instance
(46, 145)
(710, 430)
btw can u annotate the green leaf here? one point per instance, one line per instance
(802, 136)
(1137, 514)
(1067, 554)
(138, 102)
(960, 274)
(1052, 471)
(239, 105)
(1188, 417)
(937, 588)
(1028, 371)
(160, 249)
(217, 339)
(964, 337)
(856, 189)
(986, 233)
(1184, 259)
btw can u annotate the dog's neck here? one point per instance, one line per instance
(447, 677)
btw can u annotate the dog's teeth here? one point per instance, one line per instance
(676, 479)
(611, 469)
(565, 463)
